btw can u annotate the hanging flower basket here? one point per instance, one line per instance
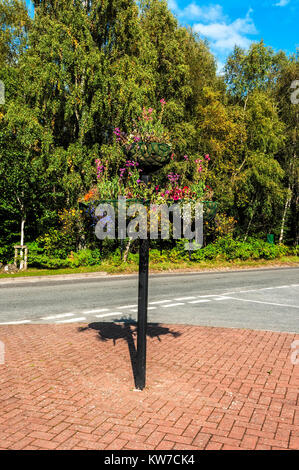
(151, 155)
(210, 209)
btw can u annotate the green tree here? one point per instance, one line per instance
(288, 155)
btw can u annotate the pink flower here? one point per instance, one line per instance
(162, 101)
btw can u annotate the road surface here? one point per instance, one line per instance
(266, 299)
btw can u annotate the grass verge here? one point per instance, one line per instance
(184, 266)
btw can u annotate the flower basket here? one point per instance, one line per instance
(151, 155)
(210, 209)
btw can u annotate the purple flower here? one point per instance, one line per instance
(173, 178)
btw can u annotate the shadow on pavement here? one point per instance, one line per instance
(126, 329)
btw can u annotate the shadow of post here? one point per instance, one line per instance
(126, 329)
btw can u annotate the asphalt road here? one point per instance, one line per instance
(266, 299)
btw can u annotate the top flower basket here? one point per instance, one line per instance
(151, 155)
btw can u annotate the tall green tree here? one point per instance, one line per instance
(288, 155)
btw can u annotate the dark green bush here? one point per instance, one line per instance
(44, 261)
(229, 249)
(84, 257)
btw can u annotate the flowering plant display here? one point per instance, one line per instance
(185, 181)
(176, 187)
(148, 128)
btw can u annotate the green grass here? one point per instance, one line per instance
(129, 268)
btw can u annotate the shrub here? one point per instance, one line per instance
(56, 244)
(228, 249)
(6, 254)
(84, 257)
(44, 261)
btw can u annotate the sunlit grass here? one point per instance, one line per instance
(164, 266)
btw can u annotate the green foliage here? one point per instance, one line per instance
(84, 257)
(77, 70)
(229, 249)
(56, 243)
(6, 253)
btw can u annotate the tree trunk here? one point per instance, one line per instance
(127, 250)
(250, 222)
(23, 220)
(286, 207)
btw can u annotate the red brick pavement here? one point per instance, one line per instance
(63, 387)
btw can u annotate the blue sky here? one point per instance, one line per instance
(231, 22)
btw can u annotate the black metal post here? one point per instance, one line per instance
(142, 314)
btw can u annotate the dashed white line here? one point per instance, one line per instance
(99, 310)
(60, 315)
(206, 296)
(185, 298)
(159, 302)
(16, 322)
(222, 298)
(172, 305)
(199, 301)
(135, 310)
(72, 320)
(127, 306)
(112, 314)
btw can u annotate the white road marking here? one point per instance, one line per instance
(199, 301)
(72, 320)
(134, 310)
(222, 298)
(267, 303)
(205, 296)
(250, 290)
(16, 322)
(128, 306)
(172, 305)
(96, 311)
(185, 298)
(60, 315)
(159, 302)
(262, 288)
(109, 314)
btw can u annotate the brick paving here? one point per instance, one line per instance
(72, 387)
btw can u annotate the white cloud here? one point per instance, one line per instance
(224, 35)
(211, 23)
(196, 12)
(282, 3)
